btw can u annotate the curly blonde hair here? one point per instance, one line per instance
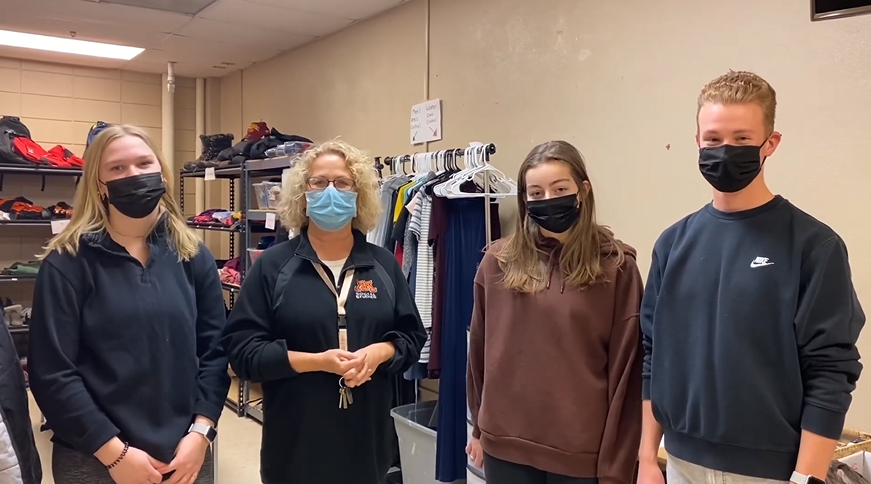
(90, 215)
(292, 206)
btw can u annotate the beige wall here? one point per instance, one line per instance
(59, 104)
(618, 79)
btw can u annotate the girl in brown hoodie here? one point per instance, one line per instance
(554, 376)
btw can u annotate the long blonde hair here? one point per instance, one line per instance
(292, 207)
(89, 212)
(520, 258)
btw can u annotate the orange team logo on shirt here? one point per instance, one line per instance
(365, 290)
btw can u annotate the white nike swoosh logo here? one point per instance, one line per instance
(757, 264)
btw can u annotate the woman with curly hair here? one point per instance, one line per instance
(323, 322)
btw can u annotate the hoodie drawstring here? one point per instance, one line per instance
(551, 265)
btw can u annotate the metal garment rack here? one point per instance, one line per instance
(395, 162)
(448, 157)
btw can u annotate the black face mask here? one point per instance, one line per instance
(136, 196)
(730, 168)
(555, 214)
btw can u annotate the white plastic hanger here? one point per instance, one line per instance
(476, 167)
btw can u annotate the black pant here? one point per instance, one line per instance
(498, 471)
(71, 467)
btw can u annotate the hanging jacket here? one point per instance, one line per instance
(19, 460)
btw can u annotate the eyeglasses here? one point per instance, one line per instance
(321, 183)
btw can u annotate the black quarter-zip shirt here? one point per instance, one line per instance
(284, 305)
(121, 349)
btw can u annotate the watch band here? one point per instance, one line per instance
(799, 478)
(209, 432)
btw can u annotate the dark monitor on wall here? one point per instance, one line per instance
(830, 9)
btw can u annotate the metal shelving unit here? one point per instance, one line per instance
(232, 174)
(35, 170)
(242, 202)
(251, 170)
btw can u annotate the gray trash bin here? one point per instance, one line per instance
(417, 442)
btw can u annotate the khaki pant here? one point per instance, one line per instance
(682, 472)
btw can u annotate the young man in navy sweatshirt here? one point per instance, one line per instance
(749, 317)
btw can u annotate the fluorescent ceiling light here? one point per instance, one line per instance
(68, 46)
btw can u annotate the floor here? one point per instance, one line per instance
(238, 448)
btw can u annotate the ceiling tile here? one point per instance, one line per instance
(183, 70)
(189, 7)
(186, 49)
(255, 15)
(212, 30)
(349, 9)
(78, 12)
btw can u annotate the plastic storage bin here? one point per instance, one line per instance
(415, 427)
(267, 194)
(475, 475)
(253, 254)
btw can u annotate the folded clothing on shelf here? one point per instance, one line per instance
(289, 148)
(230, 272)
(22, 269)
(257, 141)
(20, 208)
(266, 242)
(216, 216)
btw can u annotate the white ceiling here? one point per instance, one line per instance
(206, 38)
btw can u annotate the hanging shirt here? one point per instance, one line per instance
(424, 277)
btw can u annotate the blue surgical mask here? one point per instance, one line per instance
(331, 209)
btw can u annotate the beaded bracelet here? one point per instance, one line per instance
(120, 457)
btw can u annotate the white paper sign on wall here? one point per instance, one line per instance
(426, 121)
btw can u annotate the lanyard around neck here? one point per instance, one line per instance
(341, 298)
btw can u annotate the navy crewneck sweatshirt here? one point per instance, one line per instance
(750, 323)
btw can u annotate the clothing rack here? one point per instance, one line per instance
(395, 161)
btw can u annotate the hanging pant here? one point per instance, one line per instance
(499, 471)
(71, 467)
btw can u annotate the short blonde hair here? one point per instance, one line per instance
(292, 207)
(741, 87)
(89, 211)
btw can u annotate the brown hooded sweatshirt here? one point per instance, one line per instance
(554, 377)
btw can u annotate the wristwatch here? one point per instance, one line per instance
(799, 478)
(210, 433)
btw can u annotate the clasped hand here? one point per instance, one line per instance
(188, 460)
(355, 368)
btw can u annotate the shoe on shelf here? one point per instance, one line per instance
(12, 315)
